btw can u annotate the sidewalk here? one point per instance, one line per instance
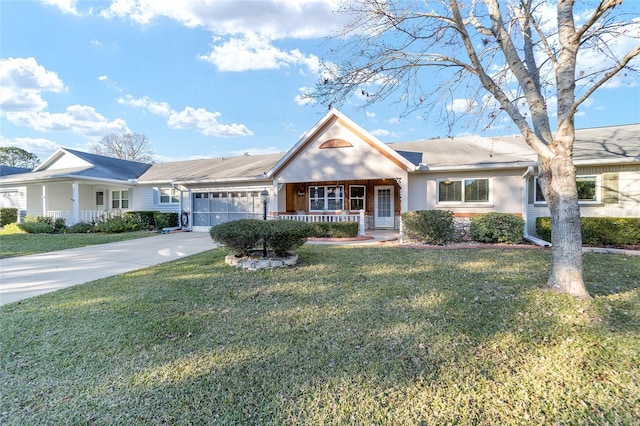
(28, 276)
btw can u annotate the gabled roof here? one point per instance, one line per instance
(84, 166)
(329, 118)
(240, 168)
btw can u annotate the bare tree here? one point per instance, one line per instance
(128, 146)
(522, 53)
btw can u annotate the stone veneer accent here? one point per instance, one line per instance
(248, 264)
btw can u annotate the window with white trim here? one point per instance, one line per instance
(169, 196)
(119, 199)
(588, 190)
(357, 197)
(323, 198)
(463, 191)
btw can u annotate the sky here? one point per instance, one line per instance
(205, 78)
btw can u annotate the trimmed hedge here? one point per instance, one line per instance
(428, 226)
(603, 231)
(8, 215)
(165, 220)
(497, 228)
(119, 224)
(245, 235)
(145, 217)
(335, 229)
(37, 225)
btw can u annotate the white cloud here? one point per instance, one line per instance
(79, 119)
(66, 6)
(206, 123)
(253, 52)
(461, 105)
(198, 119)
(384, 133)
(22, 82)
(370, 114)
(274, 19)
(38, 146)
(304, 97)
(158, 108)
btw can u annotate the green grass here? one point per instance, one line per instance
(352, 335)
(23, 244)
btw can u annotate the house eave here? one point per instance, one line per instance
(256, 179)
(472, 167)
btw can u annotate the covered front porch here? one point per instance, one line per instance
(373, 203)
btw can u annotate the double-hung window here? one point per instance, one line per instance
(357, 197)
(119, 199)
(169, 196)
(588, 190)
(463, 191)
(323, 198)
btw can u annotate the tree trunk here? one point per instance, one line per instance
(558, 180)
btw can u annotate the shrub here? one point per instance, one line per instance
(244, 235)
(13, 228)
(428, 226)
(283, 236)
(8, 215)
(603, 231)
(165, 220)
(497, 228)
(145, 217)
(59, 224)
(241, 236)
(119, 224)
(37, 225)
(335, 229)
(80, 228)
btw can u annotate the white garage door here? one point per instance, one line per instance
(212, 208)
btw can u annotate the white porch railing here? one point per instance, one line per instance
(87, 216)
(314, 218)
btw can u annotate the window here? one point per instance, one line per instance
(322, 198)
(588, 190)
(100, 198)
(119, 199)
(357, 195)
(169, 196)
(466, 190)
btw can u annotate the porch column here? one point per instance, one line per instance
(404, 200)
(45, 200)
(361, 224)
(75, 199)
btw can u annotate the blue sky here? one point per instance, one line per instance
(200, 79)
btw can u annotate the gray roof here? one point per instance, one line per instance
(11, 170)
(101, 168)
(616, 144)
(245, 167)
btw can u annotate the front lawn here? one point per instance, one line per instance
(12, 244)
(352, 335)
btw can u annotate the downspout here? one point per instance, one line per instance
(525, 204)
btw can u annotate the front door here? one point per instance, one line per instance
(383, 207)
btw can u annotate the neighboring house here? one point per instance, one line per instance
(339, 171)
(13, 197)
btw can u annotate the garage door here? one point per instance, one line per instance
(212, 208)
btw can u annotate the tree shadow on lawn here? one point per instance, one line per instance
(348, 336)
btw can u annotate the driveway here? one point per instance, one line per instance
(28, 276)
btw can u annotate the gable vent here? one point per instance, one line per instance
(335, 143)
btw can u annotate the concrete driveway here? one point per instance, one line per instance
(28, 276)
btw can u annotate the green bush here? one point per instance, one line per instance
(497, 228)
(59, 224)
(601, 231)
(245, 235)
(145, 217)
(335, 229)
(80, 228)
(8, 215)
(165, 220)
(37, 225)
(283, 236)
(428, 226)
(240, 236)
(119, 224)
